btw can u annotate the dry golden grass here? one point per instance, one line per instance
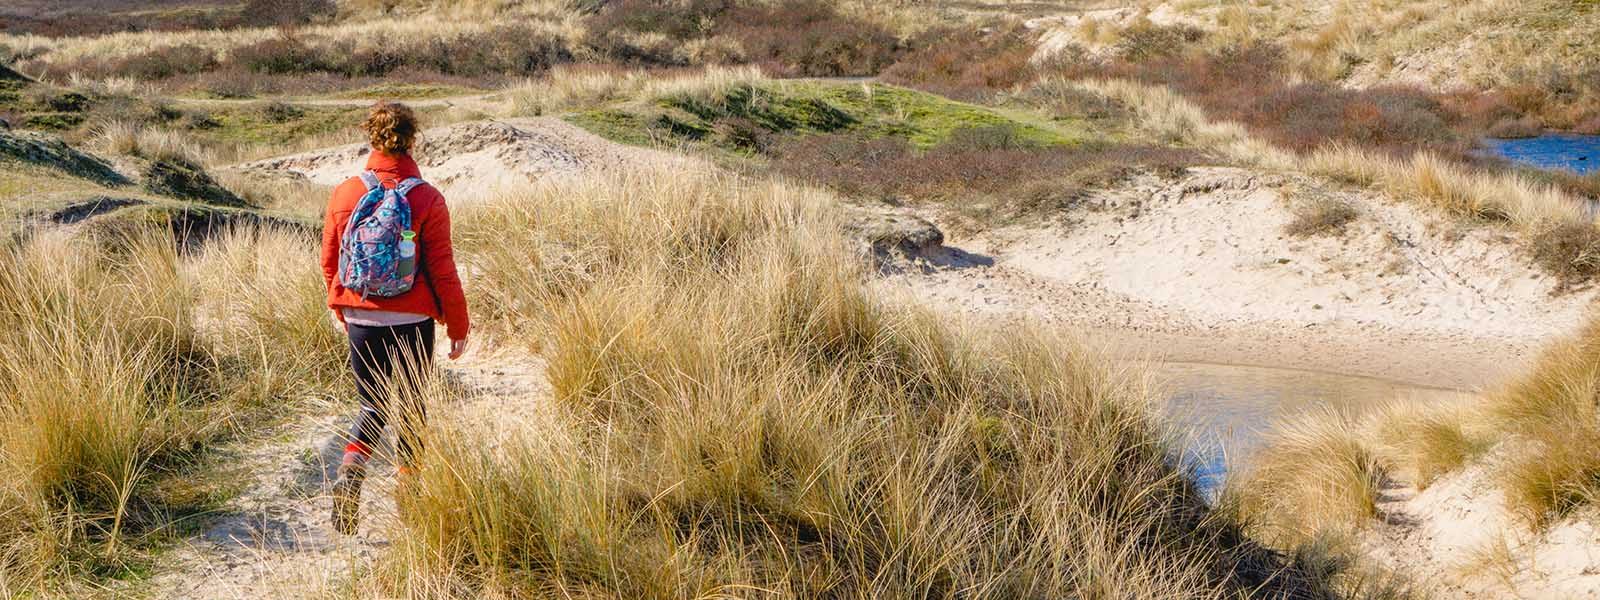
(1315, 476)
(1550, 412)
(128, 138)
(1457, 190)
(121, 358)
(366, 33)
(568, 88)
(1423, 443)
(737, 414)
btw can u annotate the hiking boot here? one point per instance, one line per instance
(347, 497)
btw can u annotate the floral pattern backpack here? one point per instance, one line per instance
(371, 257)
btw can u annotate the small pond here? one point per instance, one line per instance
(1571, 151)
(1229, 408)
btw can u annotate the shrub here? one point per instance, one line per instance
(282, 54)
(1321, 215)
(1525, 127)
(966, 63)
(1570, 251)
(280, 112)
(1145, 40)
(810, 38)
(166, 61)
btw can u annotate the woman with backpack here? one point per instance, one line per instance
(387, 261)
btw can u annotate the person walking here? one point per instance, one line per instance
(390, 272)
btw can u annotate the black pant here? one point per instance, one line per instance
(390, 364)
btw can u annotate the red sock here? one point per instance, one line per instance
(356, 452)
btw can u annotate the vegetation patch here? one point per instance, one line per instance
(1549, 413)
(1570, 251)
(885, 143)
(801, 38)
(105, 398)
(408, 91)
(181, 179)
(53, 153)
(1321, 215)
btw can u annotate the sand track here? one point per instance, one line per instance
(274, 541)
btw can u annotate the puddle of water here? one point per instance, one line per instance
(1229, 408)
(1571, 151)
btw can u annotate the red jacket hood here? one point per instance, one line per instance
(392, 166)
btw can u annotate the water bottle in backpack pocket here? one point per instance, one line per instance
(378, 252)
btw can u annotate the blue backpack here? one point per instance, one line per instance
(377, 255)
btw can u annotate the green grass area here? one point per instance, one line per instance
(408, 91)
(43, 107)
(791, 108)
(275, 122)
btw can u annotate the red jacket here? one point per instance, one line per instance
(438, 289)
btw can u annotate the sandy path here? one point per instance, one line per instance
(274, 541)
(1457, 539)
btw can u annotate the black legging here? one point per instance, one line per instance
(391, 360)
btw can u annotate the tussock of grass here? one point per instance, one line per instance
(1321, 215)
(1550, 412)
(133, 139)
(1314, 476)
(736, 412)
(1425, 443)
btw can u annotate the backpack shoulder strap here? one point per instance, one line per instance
(406, 185)
(370, 179)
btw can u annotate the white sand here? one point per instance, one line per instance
(1200, 269)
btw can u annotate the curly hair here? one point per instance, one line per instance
(391, 127)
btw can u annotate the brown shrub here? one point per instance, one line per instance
(1569, 251)
(800, 38)
(1146, 40)
(987, 163)
(1509, 128)
(967, 64)
(809, 38)
(282, 54)
(1321, 215)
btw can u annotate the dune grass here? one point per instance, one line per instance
(737, 414)
(1315, 476)
(1550, 414)
(123, 360)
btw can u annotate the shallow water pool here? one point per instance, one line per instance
(1571, 151)
(1229, 408)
